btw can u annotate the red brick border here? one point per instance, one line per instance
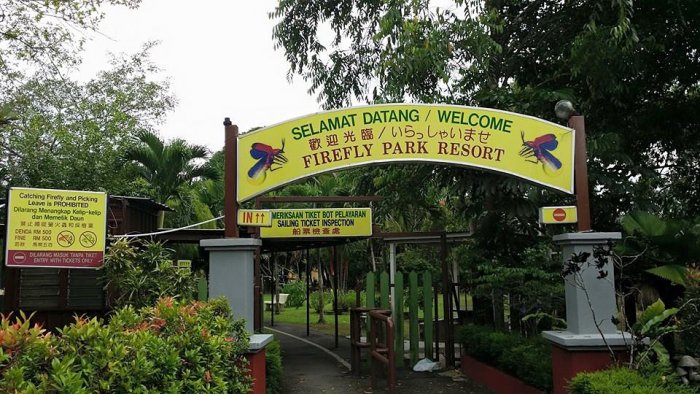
(497, 381)
(256, 363)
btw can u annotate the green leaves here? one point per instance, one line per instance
(139, 277)
(643, 223)
(677, 274)
(168, 166)
(72, 135)
(169, 347)
(650, 322)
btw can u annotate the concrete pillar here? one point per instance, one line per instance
(231, 274)
(582, 347)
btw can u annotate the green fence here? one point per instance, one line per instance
(420, 288)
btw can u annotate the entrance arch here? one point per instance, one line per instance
(517, 145)
(521, 146)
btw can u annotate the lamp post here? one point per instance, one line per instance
(565, 110)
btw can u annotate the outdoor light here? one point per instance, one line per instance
(564, 109)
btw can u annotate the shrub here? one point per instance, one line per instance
(346, 300)
(273, 368)
(315, 300)
(528, 359)
(172, 347)
(625, 380)
(689, 337)
(140, 276)
(297, 293)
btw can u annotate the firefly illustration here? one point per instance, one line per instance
(266, 157)
(541, 150)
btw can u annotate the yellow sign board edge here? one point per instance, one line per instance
(371, 221)
(7, 227)
(262, 129)
(569, 190)
(541, 213)
(408, 161)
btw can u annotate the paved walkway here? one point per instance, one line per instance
(312, 365)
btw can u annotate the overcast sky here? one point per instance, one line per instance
(219, 57)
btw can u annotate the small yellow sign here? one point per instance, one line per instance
(55, 228)
(319, 223)
(558, 215)
(185, 265)
(255, 217)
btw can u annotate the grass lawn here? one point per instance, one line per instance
(297, 316)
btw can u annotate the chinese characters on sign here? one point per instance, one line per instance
(55, 228)
(317, 223)
(518, 145)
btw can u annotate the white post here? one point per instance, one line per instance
(588, 296)
(231, 274)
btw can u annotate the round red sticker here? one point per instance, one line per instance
(559, 214)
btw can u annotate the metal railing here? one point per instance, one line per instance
(381, 350)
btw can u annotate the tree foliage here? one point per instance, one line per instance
(48, 33)
(169, 166)
(631, 67)
(67, 134)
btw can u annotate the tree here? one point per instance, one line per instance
(169, 167)
(631, 67)
(47, 33)
(60, 133)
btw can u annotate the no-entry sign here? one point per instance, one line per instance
(558, 215)
(55, 228)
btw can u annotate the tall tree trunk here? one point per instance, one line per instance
(371, 254)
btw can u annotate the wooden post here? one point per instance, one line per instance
(369, 294)
(384, 290)
(230, 187)
(427, 314)
(577, 123)
(413, 316)
(398, 318)
(258, 285)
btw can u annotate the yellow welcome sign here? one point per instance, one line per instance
(523, 146)
(319, 223)
(55, 228)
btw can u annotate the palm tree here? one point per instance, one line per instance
(169, 166)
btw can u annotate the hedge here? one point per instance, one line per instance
(170, 348)
(528, 359)
(628, 381)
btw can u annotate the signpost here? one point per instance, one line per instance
(319, 223)
(55, 228)
(558, 215)
(518, 145)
